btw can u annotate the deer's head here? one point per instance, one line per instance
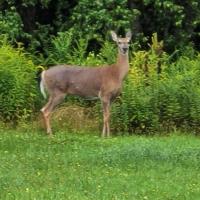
(123, 43)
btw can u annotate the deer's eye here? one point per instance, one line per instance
(119, 42)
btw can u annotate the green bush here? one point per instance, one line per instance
(17, 84)
(160, 93)
(11, 24)
(157, 100)
(100, 16)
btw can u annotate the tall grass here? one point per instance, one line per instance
(18, 86)
(160, 93)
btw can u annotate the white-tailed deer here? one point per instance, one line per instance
(104, 82)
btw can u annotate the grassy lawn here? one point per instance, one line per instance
(80, 167)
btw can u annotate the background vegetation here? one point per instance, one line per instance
(162, 89)
(35, 22)
(18, 86)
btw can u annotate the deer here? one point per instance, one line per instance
(102, 82)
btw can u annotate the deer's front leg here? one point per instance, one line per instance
(106, 117)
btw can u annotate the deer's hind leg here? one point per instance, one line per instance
(54, 99)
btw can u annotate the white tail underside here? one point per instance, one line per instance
(42, 86)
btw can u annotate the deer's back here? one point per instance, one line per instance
(82, 81)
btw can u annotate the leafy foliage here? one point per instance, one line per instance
(17, 84)
(34, 22)
(100, 16)
(11, 24)
(159, 95)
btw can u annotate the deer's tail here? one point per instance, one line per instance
(42, 85)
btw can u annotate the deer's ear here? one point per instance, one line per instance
(129, 35)
(114, 36)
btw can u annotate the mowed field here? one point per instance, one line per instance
(84, 166)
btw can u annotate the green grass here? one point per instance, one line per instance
(80, 167)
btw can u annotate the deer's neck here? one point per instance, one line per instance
(122, 64)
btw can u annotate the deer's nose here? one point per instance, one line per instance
(125, 49)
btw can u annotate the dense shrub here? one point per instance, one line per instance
(11, 24)
(17, 84)
(161, 99)
(160, 92)
(68, 49)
